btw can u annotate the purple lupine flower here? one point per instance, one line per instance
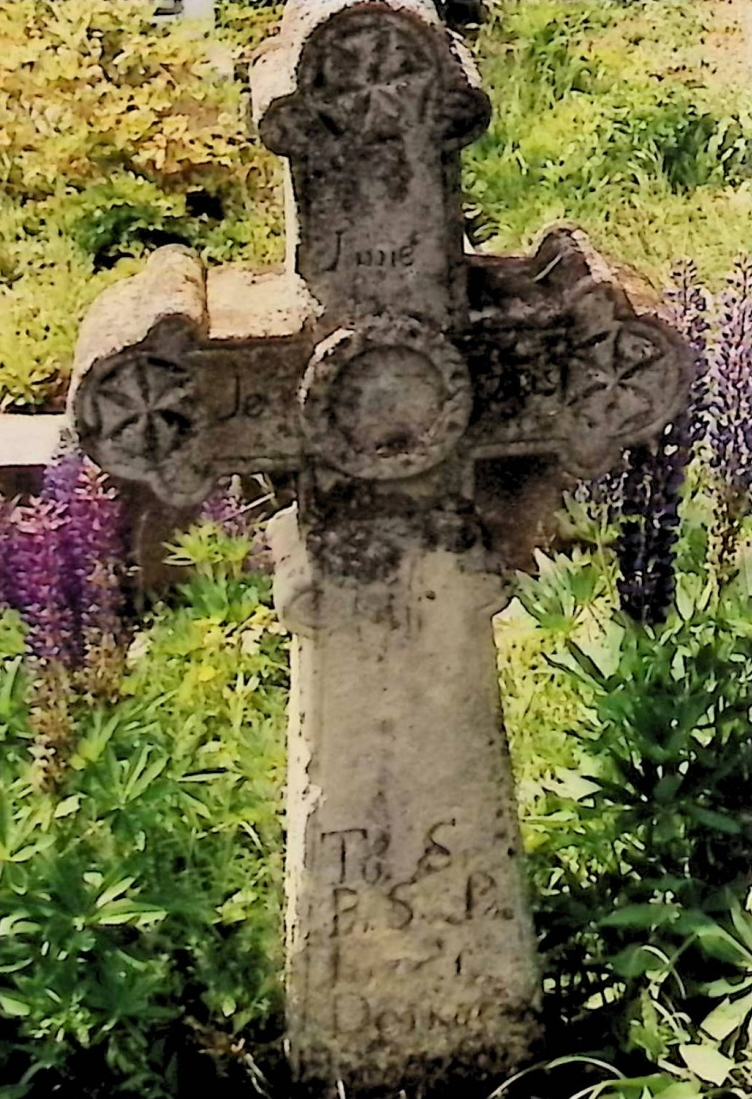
(93, 552)
(649, 532)
(730, 386)
(690, 310)
(228, 510)
(5, 552)
(617, 491)
(58, 485)
(61, 475)
(37, 585)
(653, 477)
(645, 493)
(606, 492)
(95, 530)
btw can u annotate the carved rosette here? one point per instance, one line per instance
(372, 77)
(388, 401)
(619, 391)
(562, 366)
(138, 418)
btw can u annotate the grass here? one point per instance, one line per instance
(630, 119)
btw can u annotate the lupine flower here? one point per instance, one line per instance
(52, 723)
(652, 493)
(62, 560)
(644, 494)
(690, 310)
(230, 511)
(58, 485)
(730, 385)
(37, 584)
(94, 553)
(653, 476)
(33, 580)
(61, 475)
(5, 552)
(96, 522)
(227, 509)
(605, 493)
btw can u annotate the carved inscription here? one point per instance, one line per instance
(354, 1014)
(242, 404)
(364, 899)
(384, 255)
(356, 858)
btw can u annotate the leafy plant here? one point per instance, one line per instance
(139, 902)
(118, 135)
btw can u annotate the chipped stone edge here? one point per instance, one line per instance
(644, 299)
(245, 304)
(171, 285)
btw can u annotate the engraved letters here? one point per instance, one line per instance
(363, 899)
(356, 857)
(384, 256)
(436, 856)
(381, 257)
(481, 896)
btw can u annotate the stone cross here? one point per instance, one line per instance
(427, 402)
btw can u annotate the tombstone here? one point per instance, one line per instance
(429, 404)
(169, 7)
(188, 9)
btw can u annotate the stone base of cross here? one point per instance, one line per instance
(429, 404)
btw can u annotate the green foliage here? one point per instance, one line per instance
(118, 135)
(144, 893)
(635, 810)
(633, 137)
(253, 20)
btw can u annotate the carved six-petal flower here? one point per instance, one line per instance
(613, 381)
(146, 408)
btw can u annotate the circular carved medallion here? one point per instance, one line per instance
(618, 390)
(138, 417)
(389, 401)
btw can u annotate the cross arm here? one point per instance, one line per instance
(562, 365)
(200, 379)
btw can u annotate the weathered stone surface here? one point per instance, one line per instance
(561, 360)
(428, 403)
(373, 131)
(409, 937)
(170, 288)
(142, 419)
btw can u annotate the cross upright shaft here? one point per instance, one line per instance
(427, 402)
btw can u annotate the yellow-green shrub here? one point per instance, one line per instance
(88, 86)
(114, 133)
